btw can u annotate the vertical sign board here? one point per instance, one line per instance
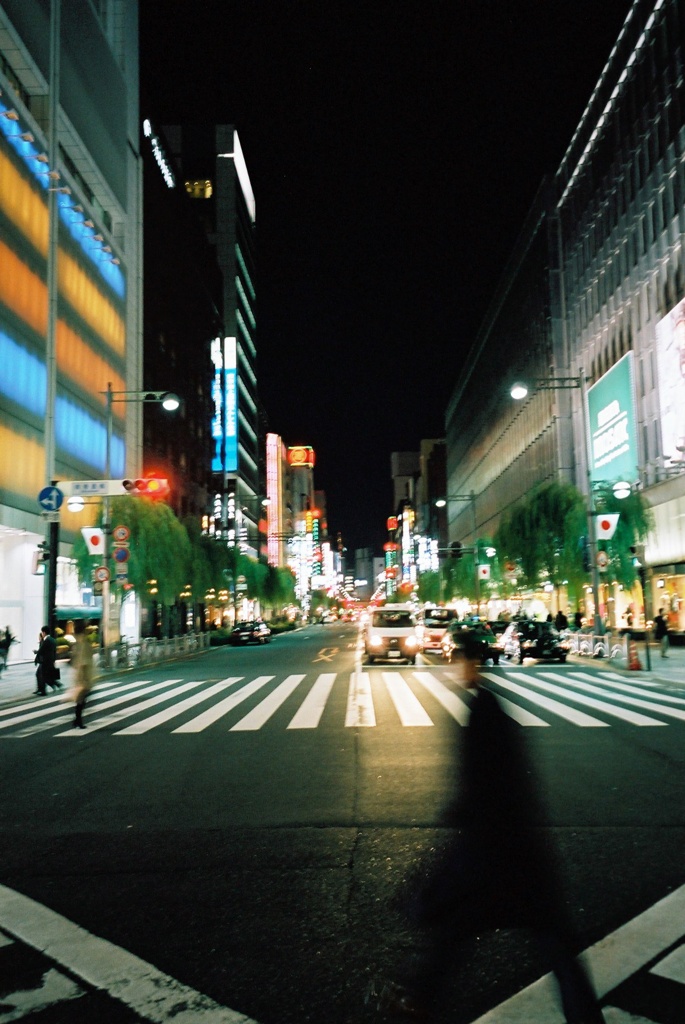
(218, 410)
(231, 404)
(613, 431)
(225, 401)
(670, 355)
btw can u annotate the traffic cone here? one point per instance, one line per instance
(633, 660)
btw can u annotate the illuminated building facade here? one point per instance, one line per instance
(596, 286)
(214, 175)
(70, 280)
(279, 515)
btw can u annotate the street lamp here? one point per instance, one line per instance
(520, 391)
(168, 401)
(471, 497)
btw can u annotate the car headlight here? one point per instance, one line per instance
(376, 641)
(411, 641)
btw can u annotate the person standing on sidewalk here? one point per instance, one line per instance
(661, 632)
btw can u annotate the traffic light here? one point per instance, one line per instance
(147, 487)
(455, 549)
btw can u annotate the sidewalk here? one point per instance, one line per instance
(18, 680)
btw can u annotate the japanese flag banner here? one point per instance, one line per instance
(483, 572)
(606, 525)
(94, 538)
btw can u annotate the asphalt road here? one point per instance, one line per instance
(237, 821)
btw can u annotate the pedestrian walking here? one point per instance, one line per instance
(496, 872)
(661, 632)
(47, 673)
(83, 664)
(6, 640)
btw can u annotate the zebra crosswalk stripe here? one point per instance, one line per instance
(629, 698)
(410, 711)
(453, 704)
(312, 707)
(174, 711)
(106, 720)
(633, 691)
(598, 705)
(360, 711)
(266, 708)
(556, 707)
(216, 712)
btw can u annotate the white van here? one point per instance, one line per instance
(392, 633)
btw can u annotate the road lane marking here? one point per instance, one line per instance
(611, 961)
(561, 710)
(450, 701)
(54, 988)
(59, 702)
(150, 993)
(410, 711)
(326, 654)
(636, 702)
(631, 689)
(266, 708)
(310, 711)
(360, 710)
(176, 709)
(106, 720)
(212, 715)
(633, 717)
(672, 966)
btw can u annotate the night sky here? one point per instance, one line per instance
(394, 149)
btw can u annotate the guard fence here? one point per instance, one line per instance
(147, 651)
(613, 646)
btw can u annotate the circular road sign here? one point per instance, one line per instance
(602, 560)
(121, 554)
(121, 533)
(50, 499)
(101, 573)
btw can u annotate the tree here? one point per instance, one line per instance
(542, 534)
(635, 521)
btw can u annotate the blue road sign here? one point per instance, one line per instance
(50, 499)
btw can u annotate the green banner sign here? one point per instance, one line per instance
(613, 433)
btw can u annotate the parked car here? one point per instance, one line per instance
(490, 646)
(435, 623)
(529, 639)
(255, 632)
(392, 632)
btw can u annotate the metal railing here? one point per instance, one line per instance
(148, 651)
(613, 646)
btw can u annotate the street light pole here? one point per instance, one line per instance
(470, 497)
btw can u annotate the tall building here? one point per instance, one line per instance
(595, 293)
(214, 174)
(70, 286)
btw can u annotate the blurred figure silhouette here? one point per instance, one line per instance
(496, 872)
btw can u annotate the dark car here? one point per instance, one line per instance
(255, 632)
(528, 639)
(490, 644)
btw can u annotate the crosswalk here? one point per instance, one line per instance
(415, 699)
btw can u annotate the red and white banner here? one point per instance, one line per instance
(94, 538)
(606, 525)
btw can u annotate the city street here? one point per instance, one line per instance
(243, 822)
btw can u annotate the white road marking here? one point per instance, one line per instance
(151, 994)
(672, 966)
(410, 711)
(310, 711)
(176, 709)
(610, 961)
(61, 702)
(266, 708)
(629, 688)
(636, 702)
(449, 700)
(213, 714)
(107, 720)
(54, 988)
(360, 710)
(562, 710)
(633, 717)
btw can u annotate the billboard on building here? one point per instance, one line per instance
(225, 400)
(613, 434)
(670, 356)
